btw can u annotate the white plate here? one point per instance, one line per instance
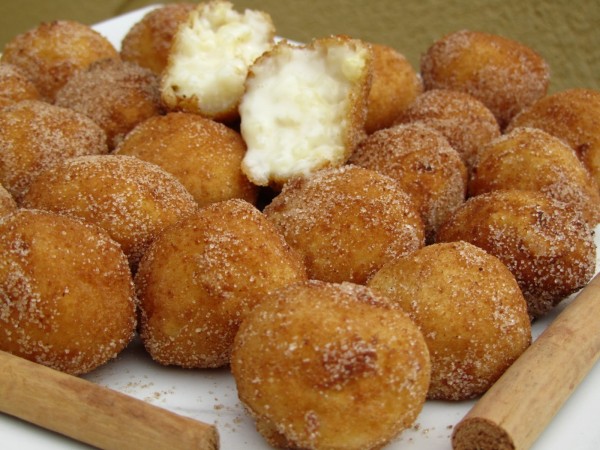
(210, 395)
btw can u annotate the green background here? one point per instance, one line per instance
(565, 32)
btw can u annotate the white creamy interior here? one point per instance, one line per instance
(213, 53)
(295, 110)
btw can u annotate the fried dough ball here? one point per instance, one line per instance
(506, 75)
(210, 56)
(66, 294)
(424, 164)
(7, 202)
(347, 222)
(148, 42)
(202, 276)
(330, 366)
(35, 134)
(466, 122)
(395, 85)
(469, 308)
(131, 199)
(545, 243)
(572, 115)
(15, 86)
(304, 108)
(51, 53)
(531, 159)
(204, 155)
(116, 95)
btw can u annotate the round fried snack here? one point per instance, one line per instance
(51, 53)
(148, 42)
(304, 108)
(116, 95)
(465, 121)
(208, 79)
(7, 202)
(347, 222)
(572, 115)
(330, 366)
(131, 199)
(506, 75)
(204, 155)
(202, 276)
(15, 86)
(395, 85)
(35, 135)
(531, 159)
(545, 243)
(424, 164)
(469, 308)
(66, 294)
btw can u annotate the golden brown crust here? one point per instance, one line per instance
(346, 222)
(116, 95)
(423, 163)
(67, 294)
(354, 381)
(132, 199)
(15, 85)
(7, 202)
(204, 155)
(531, 159)
(465, 121)
(394, 87)
(506, 75)
(201, 277)
(572, 115)
(148, 42)
(51, 53)
(545, 243)
(35, 135)
(469, 308)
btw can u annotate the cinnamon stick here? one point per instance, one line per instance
(94, 414)
(514, 412)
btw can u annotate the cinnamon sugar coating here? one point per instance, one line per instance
(323, 366)
(506, 75)
(34, 135)
(423, 163)
(15, 85)
(51, 53)
(7, 202)
(132, 199)
(469, 308)
(545, 243)
(346, 222)
(66, 294)
(204, 155)
(202, 277)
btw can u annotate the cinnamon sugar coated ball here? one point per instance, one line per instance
(531, 159)
(506, 75)
(465, 121)
(330, 366)
(422, 161)
(204, 155)
(346, 222)
(545, 243)
(148, 42)
(15, 85)
(201, 277)
(131, 199)
(395, 85)
(572, 115)
(51, 53)
(66, 295)
(35, 135)
(469, 308)
(116, 95)
(7, 202)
